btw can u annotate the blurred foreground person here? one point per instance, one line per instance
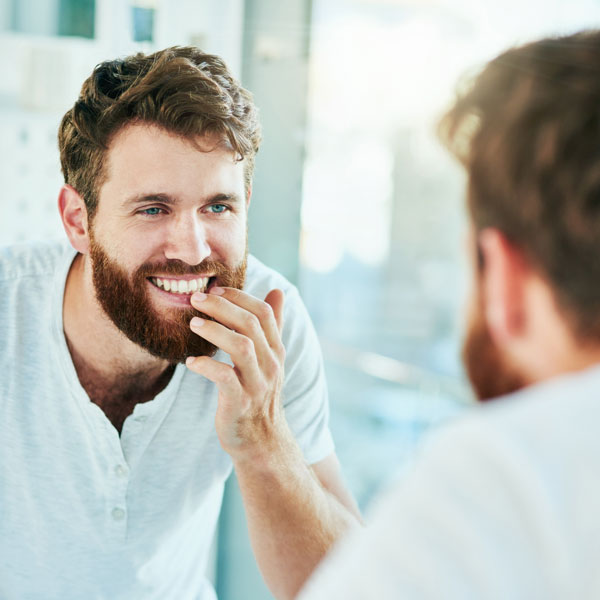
(152, 355)
(504, 503)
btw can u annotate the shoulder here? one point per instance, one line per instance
(539, 420)
(31, 260)
(500, 501)
(261, 279)
(535, 449)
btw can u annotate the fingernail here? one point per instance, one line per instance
(218, 291)
(198, 296)
(197, 322)
(189, 360)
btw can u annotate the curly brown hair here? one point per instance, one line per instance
(527, 130)
(181, 89)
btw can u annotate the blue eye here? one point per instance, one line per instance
(152, 211)
(218, 208)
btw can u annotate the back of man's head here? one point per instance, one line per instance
(181, 89)
(528, 133)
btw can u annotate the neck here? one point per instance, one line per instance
(103, 356)
(566, 359)
(550, 347)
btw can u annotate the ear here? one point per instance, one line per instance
(503, 286)
(73, 213)
(248, 196)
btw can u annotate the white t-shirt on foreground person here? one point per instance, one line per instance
(86, 513)
(501, 506)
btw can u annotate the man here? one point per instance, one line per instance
(504, 504)
(114, 454)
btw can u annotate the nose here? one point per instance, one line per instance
(187, 240)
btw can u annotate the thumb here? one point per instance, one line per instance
(275, 298)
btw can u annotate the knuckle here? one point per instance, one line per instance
(265, 311)
(229, 376)
(280, 351)
(251, 322)
(272, 367)
(246, 347)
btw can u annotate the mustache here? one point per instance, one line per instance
(178, 267)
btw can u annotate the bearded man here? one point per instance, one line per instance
(504, 503)
(145, 360)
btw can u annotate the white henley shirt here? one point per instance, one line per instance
(86, 513)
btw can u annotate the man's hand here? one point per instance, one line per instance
(293, 517)
(249, 418)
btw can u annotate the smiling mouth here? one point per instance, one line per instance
(182, 286)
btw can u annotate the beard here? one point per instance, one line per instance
(126, 301)
(488, 370)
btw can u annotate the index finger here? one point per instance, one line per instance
(269, 312)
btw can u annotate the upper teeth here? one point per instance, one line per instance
(181, 286)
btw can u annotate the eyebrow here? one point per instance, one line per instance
(171, 200)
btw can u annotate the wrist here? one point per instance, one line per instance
(268, 454)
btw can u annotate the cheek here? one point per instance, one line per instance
(228, 241)
(121, 241)
(132, 251)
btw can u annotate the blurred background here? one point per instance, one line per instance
(354, 200)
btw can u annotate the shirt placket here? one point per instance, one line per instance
(118, 476)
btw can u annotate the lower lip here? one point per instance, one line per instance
(173, 299)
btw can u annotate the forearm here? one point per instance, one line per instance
(292, 520)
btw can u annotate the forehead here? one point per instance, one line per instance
(143, 156)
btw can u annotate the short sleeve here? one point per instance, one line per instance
(305, 396)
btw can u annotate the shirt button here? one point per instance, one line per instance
(120, 471)
(118, 514)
